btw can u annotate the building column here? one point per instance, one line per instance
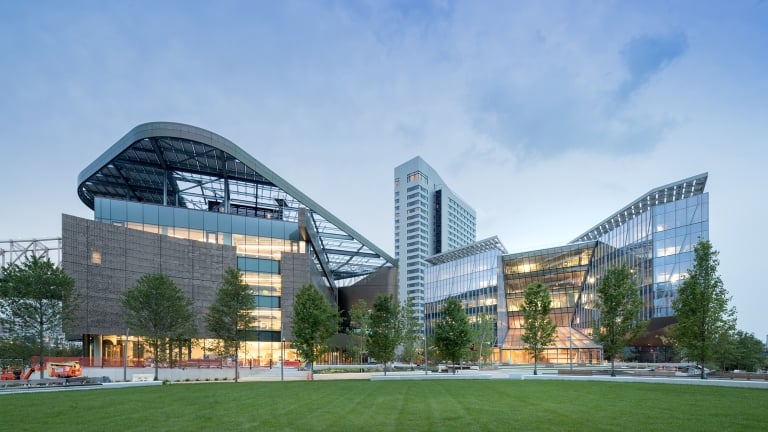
(97, 350)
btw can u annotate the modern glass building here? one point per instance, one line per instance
(470, 274)
(429, 219)
(653, 235)
(176, 199)
(566, 272)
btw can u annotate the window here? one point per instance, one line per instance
(417, 176)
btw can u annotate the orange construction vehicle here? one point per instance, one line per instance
(11, 373)
(64, 369)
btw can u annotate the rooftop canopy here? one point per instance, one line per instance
(682, 189)
(179, 165)
(475, 248)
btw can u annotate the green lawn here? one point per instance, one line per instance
(392, 406)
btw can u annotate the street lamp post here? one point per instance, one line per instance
(282, 358)
(426, 361)
(125, 356)
(570, 347)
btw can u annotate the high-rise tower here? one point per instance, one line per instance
(429, 219)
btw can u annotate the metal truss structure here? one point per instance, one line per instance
(16, 251)
(178, 165)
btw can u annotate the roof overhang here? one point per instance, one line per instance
(682, 189)
(185, 166)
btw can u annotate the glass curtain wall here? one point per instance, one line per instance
(677, 227)
(566, 272)
(471, 279)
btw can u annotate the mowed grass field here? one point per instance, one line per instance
(366, 406)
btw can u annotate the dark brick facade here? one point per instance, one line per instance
(125, 255)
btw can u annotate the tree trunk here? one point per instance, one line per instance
(42, 347)
(155, 349)
(237, 360)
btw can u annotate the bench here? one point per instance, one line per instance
(577, 372)
(744, 376)
(142, 377)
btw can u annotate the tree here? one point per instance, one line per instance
(231, 312)
(538, 329)
(158, 310)
(359, 325)
(452, 332)
(701, 307)
(619, 304)
(36, 299)
(482, 336)
(385, 331)
(315, 321)
(410, 332)
(739, 350)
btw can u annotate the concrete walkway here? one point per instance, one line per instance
(115, 375)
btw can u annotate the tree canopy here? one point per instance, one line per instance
(385, 332)
(314, 322)
(158, 310)
(619, 304)
(538, 328)
(231, 311)
(452, 332)
(739, 350)
(36, 298)
(701, 307)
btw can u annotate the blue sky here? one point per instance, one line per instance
(545, 116)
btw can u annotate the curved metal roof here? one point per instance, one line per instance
(185, 166)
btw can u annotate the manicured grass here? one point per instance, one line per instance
(392, 406)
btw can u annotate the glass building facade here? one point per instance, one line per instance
(654, 236)
(470, 274)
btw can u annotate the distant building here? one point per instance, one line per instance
(429, 219)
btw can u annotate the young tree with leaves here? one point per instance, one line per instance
(538, 329)
(231, 312)
(411, 340)
(158, 310)
(385, 331)
(452, 332)
(314, 322)
(359, 326)
(482, 337)
(701, 307)
(36, 298)
(619, 304)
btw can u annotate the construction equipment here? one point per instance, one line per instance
(11, 373)
(69, 369)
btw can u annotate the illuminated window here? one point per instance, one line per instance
(95, 257)
(417, 176)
